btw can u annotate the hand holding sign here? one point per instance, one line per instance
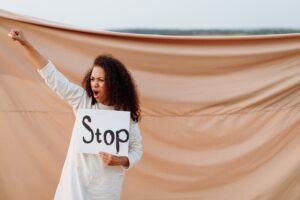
(112, 160)
(102, 130)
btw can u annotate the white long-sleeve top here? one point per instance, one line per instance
(85, 176)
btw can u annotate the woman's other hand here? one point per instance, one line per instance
(112, 160)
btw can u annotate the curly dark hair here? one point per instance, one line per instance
(121, 90)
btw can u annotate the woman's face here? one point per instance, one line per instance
(98, 85)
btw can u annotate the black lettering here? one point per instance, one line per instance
(88, 118)
(111, 135)
(98, 136)
(118, 139)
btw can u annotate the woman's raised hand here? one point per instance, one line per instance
(37, 59)
(17, 35)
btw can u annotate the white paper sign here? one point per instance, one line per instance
(102, 130)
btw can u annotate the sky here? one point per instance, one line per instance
(168, 14)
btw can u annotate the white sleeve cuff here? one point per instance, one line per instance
(46, 70)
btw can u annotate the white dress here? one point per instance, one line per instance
(85, 176)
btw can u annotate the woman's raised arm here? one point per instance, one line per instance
(37, 59)
(70, 92)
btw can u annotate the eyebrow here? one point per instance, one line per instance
(100, 77)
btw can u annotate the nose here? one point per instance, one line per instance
(96, 83)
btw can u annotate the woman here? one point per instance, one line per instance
(109, 86)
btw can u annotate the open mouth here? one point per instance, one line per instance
(96, 93)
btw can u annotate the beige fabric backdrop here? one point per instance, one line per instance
(221, 115)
